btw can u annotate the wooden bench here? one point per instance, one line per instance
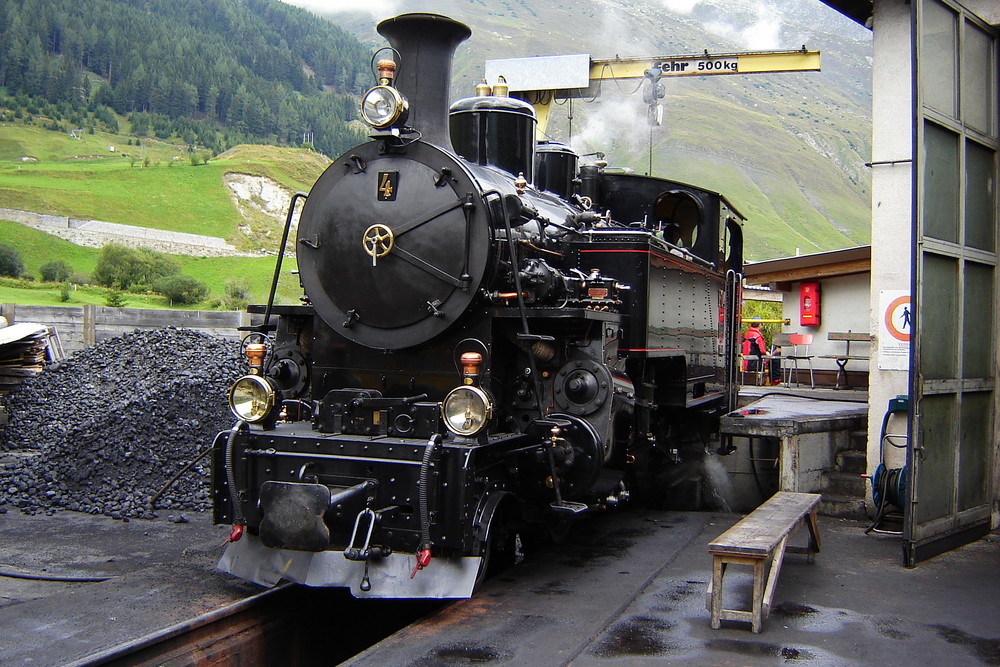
(758, 540)
(842, 359)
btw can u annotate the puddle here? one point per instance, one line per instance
(888, 627)
(748, 648)
(791, 610)
(551, 588)
(679, 592)
(613, 546)
(461, 654)
(987, 650)
(635, 636)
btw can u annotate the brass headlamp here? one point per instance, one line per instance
(383, 106)
(253, 399)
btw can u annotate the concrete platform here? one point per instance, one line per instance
(54, 608)
(810, 430)
(630, 589)
(75, 545)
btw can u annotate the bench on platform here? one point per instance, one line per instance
(842, 359)
(758, 540)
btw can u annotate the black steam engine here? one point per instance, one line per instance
(494, 342)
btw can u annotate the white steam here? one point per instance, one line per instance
(680, 6)
(613, 125)
(761, 35)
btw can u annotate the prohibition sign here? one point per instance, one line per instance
(898, 317)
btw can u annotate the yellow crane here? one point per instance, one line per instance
(541, 80)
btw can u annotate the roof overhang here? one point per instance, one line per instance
(857, 10)
(782, 272)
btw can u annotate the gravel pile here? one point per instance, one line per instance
(104, 430)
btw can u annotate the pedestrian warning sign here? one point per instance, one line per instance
(896, 310)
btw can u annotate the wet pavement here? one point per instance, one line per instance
(624, 588)
(41, 555)
(630, 589)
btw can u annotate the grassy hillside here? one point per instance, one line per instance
(212, 271)
(152, 185)
(37, 248)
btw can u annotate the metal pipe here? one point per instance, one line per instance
(281, 254)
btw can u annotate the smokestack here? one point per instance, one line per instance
(426, 44)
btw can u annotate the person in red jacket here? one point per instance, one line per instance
(753, 345)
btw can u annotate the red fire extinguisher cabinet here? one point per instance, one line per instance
(809, 304)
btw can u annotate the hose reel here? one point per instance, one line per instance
(889, 484)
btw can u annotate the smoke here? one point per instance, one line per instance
(761, 35)
(618, 36)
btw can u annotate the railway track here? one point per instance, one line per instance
(177, 615)
(274, 627)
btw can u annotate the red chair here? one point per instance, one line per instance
(800, 352)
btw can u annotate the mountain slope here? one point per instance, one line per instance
(259, 69)
(787, 149)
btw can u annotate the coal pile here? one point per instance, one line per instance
(104, 430)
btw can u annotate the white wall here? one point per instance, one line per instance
(843, 308)
(891, 199)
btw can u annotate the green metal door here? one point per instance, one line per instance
(953, 365)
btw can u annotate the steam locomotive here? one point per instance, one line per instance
(495, 340)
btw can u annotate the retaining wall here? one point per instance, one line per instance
(81, 326)
(95, 234)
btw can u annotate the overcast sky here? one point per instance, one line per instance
(762, 34)
(375, 7)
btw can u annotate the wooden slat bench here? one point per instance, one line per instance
(758, 540)
(842, 359)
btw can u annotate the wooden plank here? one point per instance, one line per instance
(50, 314)
(757, 534)
(80, 327)
(850, 335)
(20, 332)
(23, 372)
(143, 318)
(812, 272)
(772, 576)
(757, 611)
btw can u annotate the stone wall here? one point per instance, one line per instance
(78, 327)
(95, 234)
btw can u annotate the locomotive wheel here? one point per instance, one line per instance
(497, 551)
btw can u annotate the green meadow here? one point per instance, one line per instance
(155, 184)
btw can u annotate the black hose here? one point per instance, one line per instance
(231, 476)
(753, 466)
(425, 513)
(34, 576)
(889, 480)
